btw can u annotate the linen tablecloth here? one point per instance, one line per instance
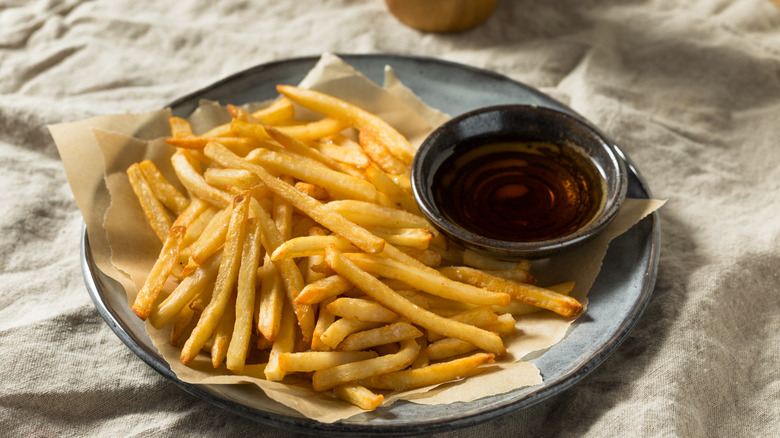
(689, 89)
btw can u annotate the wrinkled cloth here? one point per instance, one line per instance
(689, 90)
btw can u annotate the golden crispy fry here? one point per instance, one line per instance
(282, 212)
(386, 185)
(226, 278)
(478, 316)
(341, 328)
(224, 178)
(169, 195)
(180, 324)
(185, 292)
(311, 207)
(431, 375)
(152, 207)
(159, 274)
(284, 343)
(223, 333)
(345, 155)
(239, 145)
(322, 289)
(380, 155)
(361, 309)
(245, 297)
(324, 320)
(537, 296)
(210, 241)
(305, 246)
(312, 190)
(388, 334)
(270, 302)
(359, 396)
(280, 111)
(189, 176)
(180, 127)
(320, 360)
(426, 281)
(370, 214)
(338, 109)
(338, 375)
(417, 238)
(393, 301)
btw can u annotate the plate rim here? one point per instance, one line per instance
(307, 425)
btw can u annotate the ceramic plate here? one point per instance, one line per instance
(616, 300)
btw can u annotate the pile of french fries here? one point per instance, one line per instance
(298, 249)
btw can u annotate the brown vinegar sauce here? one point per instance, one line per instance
(519, 192)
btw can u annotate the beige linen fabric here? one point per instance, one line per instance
(690, 90)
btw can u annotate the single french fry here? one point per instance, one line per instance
(338, 375)
(245, 297)
(388, 334)
(159, 274)
(431, 375)
(322, 289)
(516, 275)
(180, 127)
(369, 214)
(324, 320)
(312, 190)
(478, 317)
(271, 300)
(363, 120)
(350, 156)
(194, 182)
(151, 206)
(534, 295)
(311, 207)
(392, 300)
(310, 245)
(427, 281)
(210, 241)
(196, 227)
(343, 327)
(284, 343)
(448, 347)
(319, 360)
(180, 324)
(223, 333)
(386, 185)
(224, 178)
(278, 112)
(226, 278)
(361, 309)
(239, 145)
(185, 292)
(380, 155)
(282, 211)
(359, 396)
(169, 195)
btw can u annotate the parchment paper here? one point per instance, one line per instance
(125, 247)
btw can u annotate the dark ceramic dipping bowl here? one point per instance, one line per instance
(471, 137)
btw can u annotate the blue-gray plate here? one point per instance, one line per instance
(616, 300)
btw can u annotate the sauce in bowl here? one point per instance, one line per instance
(519, 191)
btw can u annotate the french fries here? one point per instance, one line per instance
(298, 249)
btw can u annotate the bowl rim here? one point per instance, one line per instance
(613, 200)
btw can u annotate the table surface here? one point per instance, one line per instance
(690, 90)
